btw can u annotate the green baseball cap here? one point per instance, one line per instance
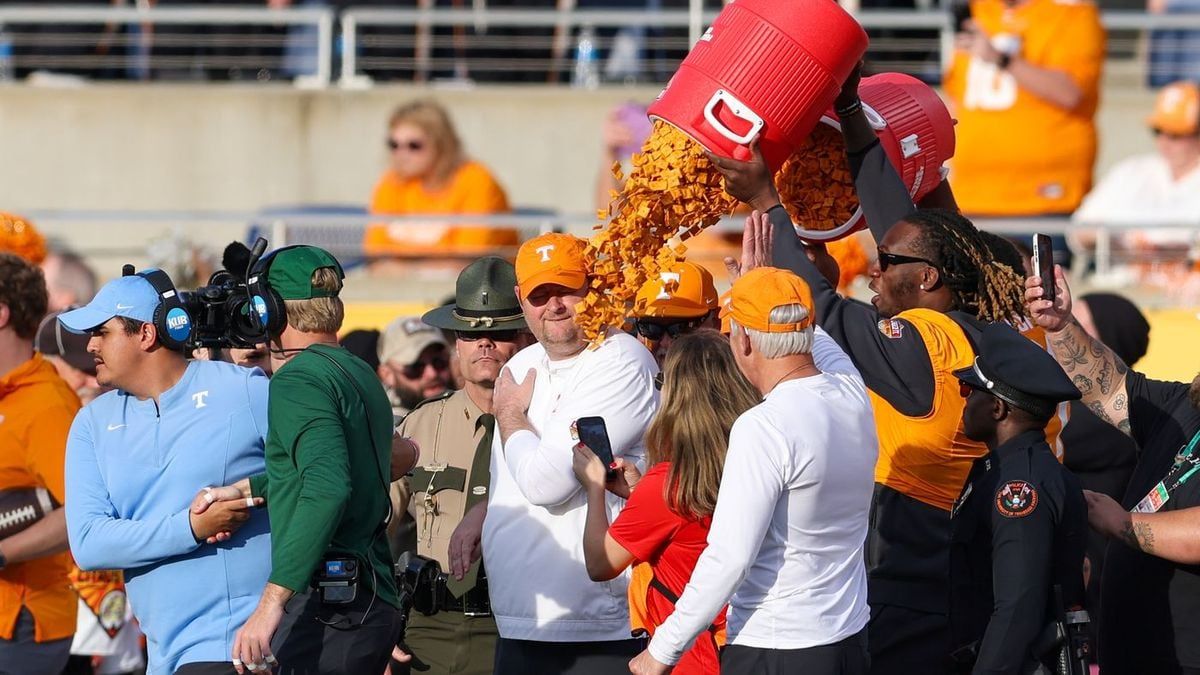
(291, 270)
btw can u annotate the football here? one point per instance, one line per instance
(22, 507)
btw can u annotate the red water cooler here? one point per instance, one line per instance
(915, 130)
(766, 69)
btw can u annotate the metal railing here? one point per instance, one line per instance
(480, 44)
(152, 42)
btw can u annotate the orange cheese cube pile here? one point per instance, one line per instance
(673, 192)
(815, 184)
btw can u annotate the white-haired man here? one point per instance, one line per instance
(786, 543)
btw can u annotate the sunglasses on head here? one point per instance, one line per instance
(655, 331)
(887, 259)
(415, 370)
(411, 146)
(493, 335)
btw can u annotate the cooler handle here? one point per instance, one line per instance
(876, 120)
(740, 110)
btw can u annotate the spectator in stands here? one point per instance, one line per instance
(37, 606)
(414, 363)
(625, 130)
(1174, 52)
(69, 279)
(18, 235)
(1161, 188)
(1024, 86)
(550, 616)
(680, 301)
(430, 174)
(791, 514)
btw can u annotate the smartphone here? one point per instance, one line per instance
(594, 434)
(1043, 264)
(960, 10)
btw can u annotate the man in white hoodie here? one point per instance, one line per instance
(551, 617)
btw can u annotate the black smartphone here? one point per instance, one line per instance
(1043, 264)
(960, 10)
(594, 434)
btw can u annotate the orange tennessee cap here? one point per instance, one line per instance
(684, 291)
(1177, 109)
(551, 258)
(755, 294)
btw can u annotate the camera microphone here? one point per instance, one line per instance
(260, 247)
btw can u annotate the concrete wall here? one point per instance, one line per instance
(244, 148)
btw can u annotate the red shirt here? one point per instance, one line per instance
(672, 545)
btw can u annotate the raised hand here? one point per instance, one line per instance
(1052, 316)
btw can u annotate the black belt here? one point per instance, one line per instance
(473, 603)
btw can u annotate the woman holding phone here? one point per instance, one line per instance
(665, 522)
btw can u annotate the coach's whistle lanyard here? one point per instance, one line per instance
(1187, 463)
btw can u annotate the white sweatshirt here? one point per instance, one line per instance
(533, 534)
(790, 520)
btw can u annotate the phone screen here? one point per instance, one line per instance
(1043, 264)
(594, 434)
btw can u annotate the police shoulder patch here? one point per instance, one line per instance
(1016, 499)
(891, 328)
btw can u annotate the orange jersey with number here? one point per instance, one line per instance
(1016, 154)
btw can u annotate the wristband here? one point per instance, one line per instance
(852, 109)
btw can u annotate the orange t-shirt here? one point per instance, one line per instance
(1018, 155)
(36, 411)
(471, 189)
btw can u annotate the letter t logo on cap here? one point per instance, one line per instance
(545, 251)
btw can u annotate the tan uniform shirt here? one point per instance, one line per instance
(436, 493)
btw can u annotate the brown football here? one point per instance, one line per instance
(22, 507)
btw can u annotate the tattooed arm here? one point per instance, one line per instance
(1171, 535)
(1095, 369)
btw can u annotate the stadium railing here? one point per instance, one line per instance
(304, 45)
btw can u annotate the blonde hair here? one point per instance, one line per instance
(703, 394)
(318, 315)
(432, 118)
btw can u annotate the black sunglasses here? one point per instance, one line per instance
(655, 331)
(886, 260)
(414, 370)
(1178, 137)
(493, 335)
(658, 381)
(411, 146)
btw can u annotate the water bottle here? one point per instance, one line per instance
(6, 56)
(586, 74)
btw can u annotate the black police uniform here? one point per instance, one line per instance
(1019, 528)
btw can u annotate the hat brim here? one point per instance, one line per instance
(969, 377)
(444, 317)
(565, 278)
(85, 319)
(1171, 126)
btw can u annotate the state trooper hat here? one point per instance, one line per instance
(484, 300)
(1018, 371)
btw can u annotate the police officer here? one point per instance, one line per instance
(454, 432)
(1019, 526)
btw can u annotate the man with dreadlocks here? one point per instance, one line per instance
(935, 282)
